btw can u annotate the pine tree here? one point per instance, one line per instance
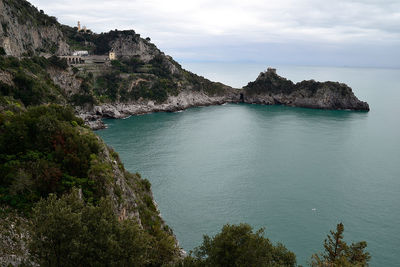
(338, 253)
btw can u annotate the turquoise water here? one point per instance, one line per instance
(271, 166)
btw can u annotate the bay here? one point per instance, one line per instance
(295, 171)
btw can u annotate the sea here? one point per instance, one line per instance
(296, 172)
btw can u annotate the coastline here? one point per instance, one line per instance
(93, 116)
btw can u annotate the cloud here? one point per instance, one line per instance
(180, 26)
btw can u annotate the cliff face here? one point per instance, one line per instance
(129, 44)
(26, 31)
(270, 88)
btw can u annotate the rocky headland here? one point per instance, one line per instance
(269, 88)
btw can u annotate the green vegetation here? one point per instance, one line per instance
(338, 254)
(77, 40)
(67, 231)
(45, 152)
(157, 90)
(159, 68)
(85, 94)
(31, 82)
(107, 84)
(42, 151)
(128, 65)
(238, 245)
(157, 82)
(200, 83)
(270, 83)
(60, 63)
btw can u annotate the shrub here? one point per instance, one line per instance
(43, 151)
(238, 245)
(67, 231)
(32, 83)
(108, 84)
(57, 62)
(159, 67)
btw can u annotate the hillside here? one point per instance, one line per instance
(139, 79)
(45, 150)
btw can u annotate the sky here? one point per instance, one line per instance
(362, 33)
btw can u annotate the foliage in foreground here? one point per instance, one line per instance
(338, 253)
(46, 150)
(67, 232)
(238, 245)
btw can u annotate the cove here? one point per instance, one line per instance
(297, 172)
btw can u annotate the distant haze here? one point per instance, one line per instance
(293, 32)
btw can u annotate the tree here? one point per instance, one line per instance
(338, 253)
(56, 231)
(238, 245)
(67, 232)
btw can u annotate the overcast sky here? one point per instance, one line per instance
(299, 32)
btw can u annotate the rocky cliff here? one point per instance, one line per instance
(269, 88)
(25, 31)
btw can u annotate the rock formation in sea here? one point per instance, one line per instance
(269, 88)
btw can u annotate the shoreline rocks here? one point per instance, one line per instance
(184, 100)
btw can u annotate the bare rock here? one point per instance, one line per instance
(20, 35)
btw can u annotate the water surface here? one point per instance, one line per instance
(297, 172)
